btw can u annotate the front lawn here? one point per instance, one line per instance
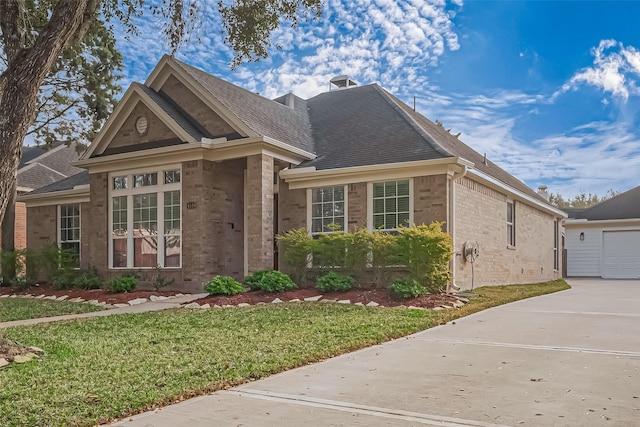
(30, 308)
(99, 369)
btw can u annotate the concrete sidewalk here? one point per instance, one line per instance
(566, 359)
(139, 308)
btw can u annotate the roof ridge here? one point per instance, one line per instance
(412, 122)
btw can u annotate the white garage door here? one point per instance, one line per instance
(621, 255)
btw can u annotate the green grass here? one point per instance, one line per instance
(29, 308)
(99, 369)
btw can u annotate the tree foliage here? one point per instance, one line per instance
(58, 54)
(582, 200)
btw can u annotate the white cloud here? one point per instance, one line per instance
(616, 70)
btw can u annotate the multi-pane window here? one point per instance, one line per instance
(391, 205)
(119, 227)
(146, 220)
(327, 209)
(145, 230)
(145, 179)
(556, 237)
(172, 228)
(119, 182)
(511, 224)
(70, 231)
(171, 177)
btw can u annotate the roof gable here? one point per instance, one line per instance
(166, 124)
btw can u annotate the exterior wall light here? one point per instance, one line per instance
(582, 236)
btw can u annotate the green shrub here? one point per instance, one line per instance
(333, 281)
(384, 254)
(223, 285)
(87, 279)
(253, 281)
(124, 283)
(295, 249)
(63, 279)
(408, 288)
(426, 251)
(270, 281)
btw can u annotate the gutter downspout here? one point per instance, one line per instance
(451, 224)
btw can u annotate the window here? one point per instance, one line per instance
(327, 208)
(391, 205)
(146, 220)
(511, 224)
(556, 235)
(145, 180)
(119, 182)
(69, 229)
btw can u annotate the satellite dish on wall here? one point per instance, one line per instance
(471, 251)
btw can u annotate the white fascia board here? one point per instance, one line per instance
(310, 177)
(140, 159)
(516, 194)
(222, 150)
(80, 194)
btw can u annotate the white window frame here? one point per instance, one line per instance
(159, 189)
(59, 230)
(310, 209)
(370, 203)
(511, 236)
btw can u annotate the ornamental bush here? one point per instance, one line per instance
(407, 288)
(426, 251)
(223, 285)
(270, 281)
(125, 283)
(295, 248)
(333, 281)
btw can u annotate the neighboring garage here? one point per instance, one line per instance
(604, 240)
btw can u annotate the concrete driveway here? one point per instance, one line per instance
(567, 359)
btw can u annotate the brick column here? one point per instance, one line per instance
(259, 206)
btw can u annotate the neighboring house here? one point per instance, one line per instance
(40, 166)
(604, 240)
(196, 175)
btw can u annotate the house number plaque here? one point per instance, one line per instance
(191, 205)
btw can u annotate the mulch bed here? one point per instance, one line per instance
(364, 296)
(94, 294)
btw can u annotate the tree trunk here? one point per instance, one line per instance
(8, 237)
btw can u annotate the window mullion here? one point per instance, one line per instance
(161, 232)
(130, 242)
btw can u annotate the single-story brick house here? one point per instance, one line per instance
(604, 240)
(196, 175)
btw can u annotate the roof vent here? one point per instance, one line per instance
(342, 82)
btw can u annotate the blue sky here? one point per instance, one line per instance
(549, 90)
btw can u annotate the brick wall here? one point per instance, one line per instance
(195, 108)
(42, 229)
(259, 201)
(96, 240)
(127, 134)
(357, 209)
(20, 228)
(481, 216)
(430, 199)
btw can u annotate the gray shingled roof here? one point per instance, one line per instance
(622, 206)
(81, 178)
(40, 166)
(367, 125)
(263, 116)
(168, 107)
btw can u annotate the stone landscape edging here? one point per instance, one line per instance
(461, 301)
(135, 301)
